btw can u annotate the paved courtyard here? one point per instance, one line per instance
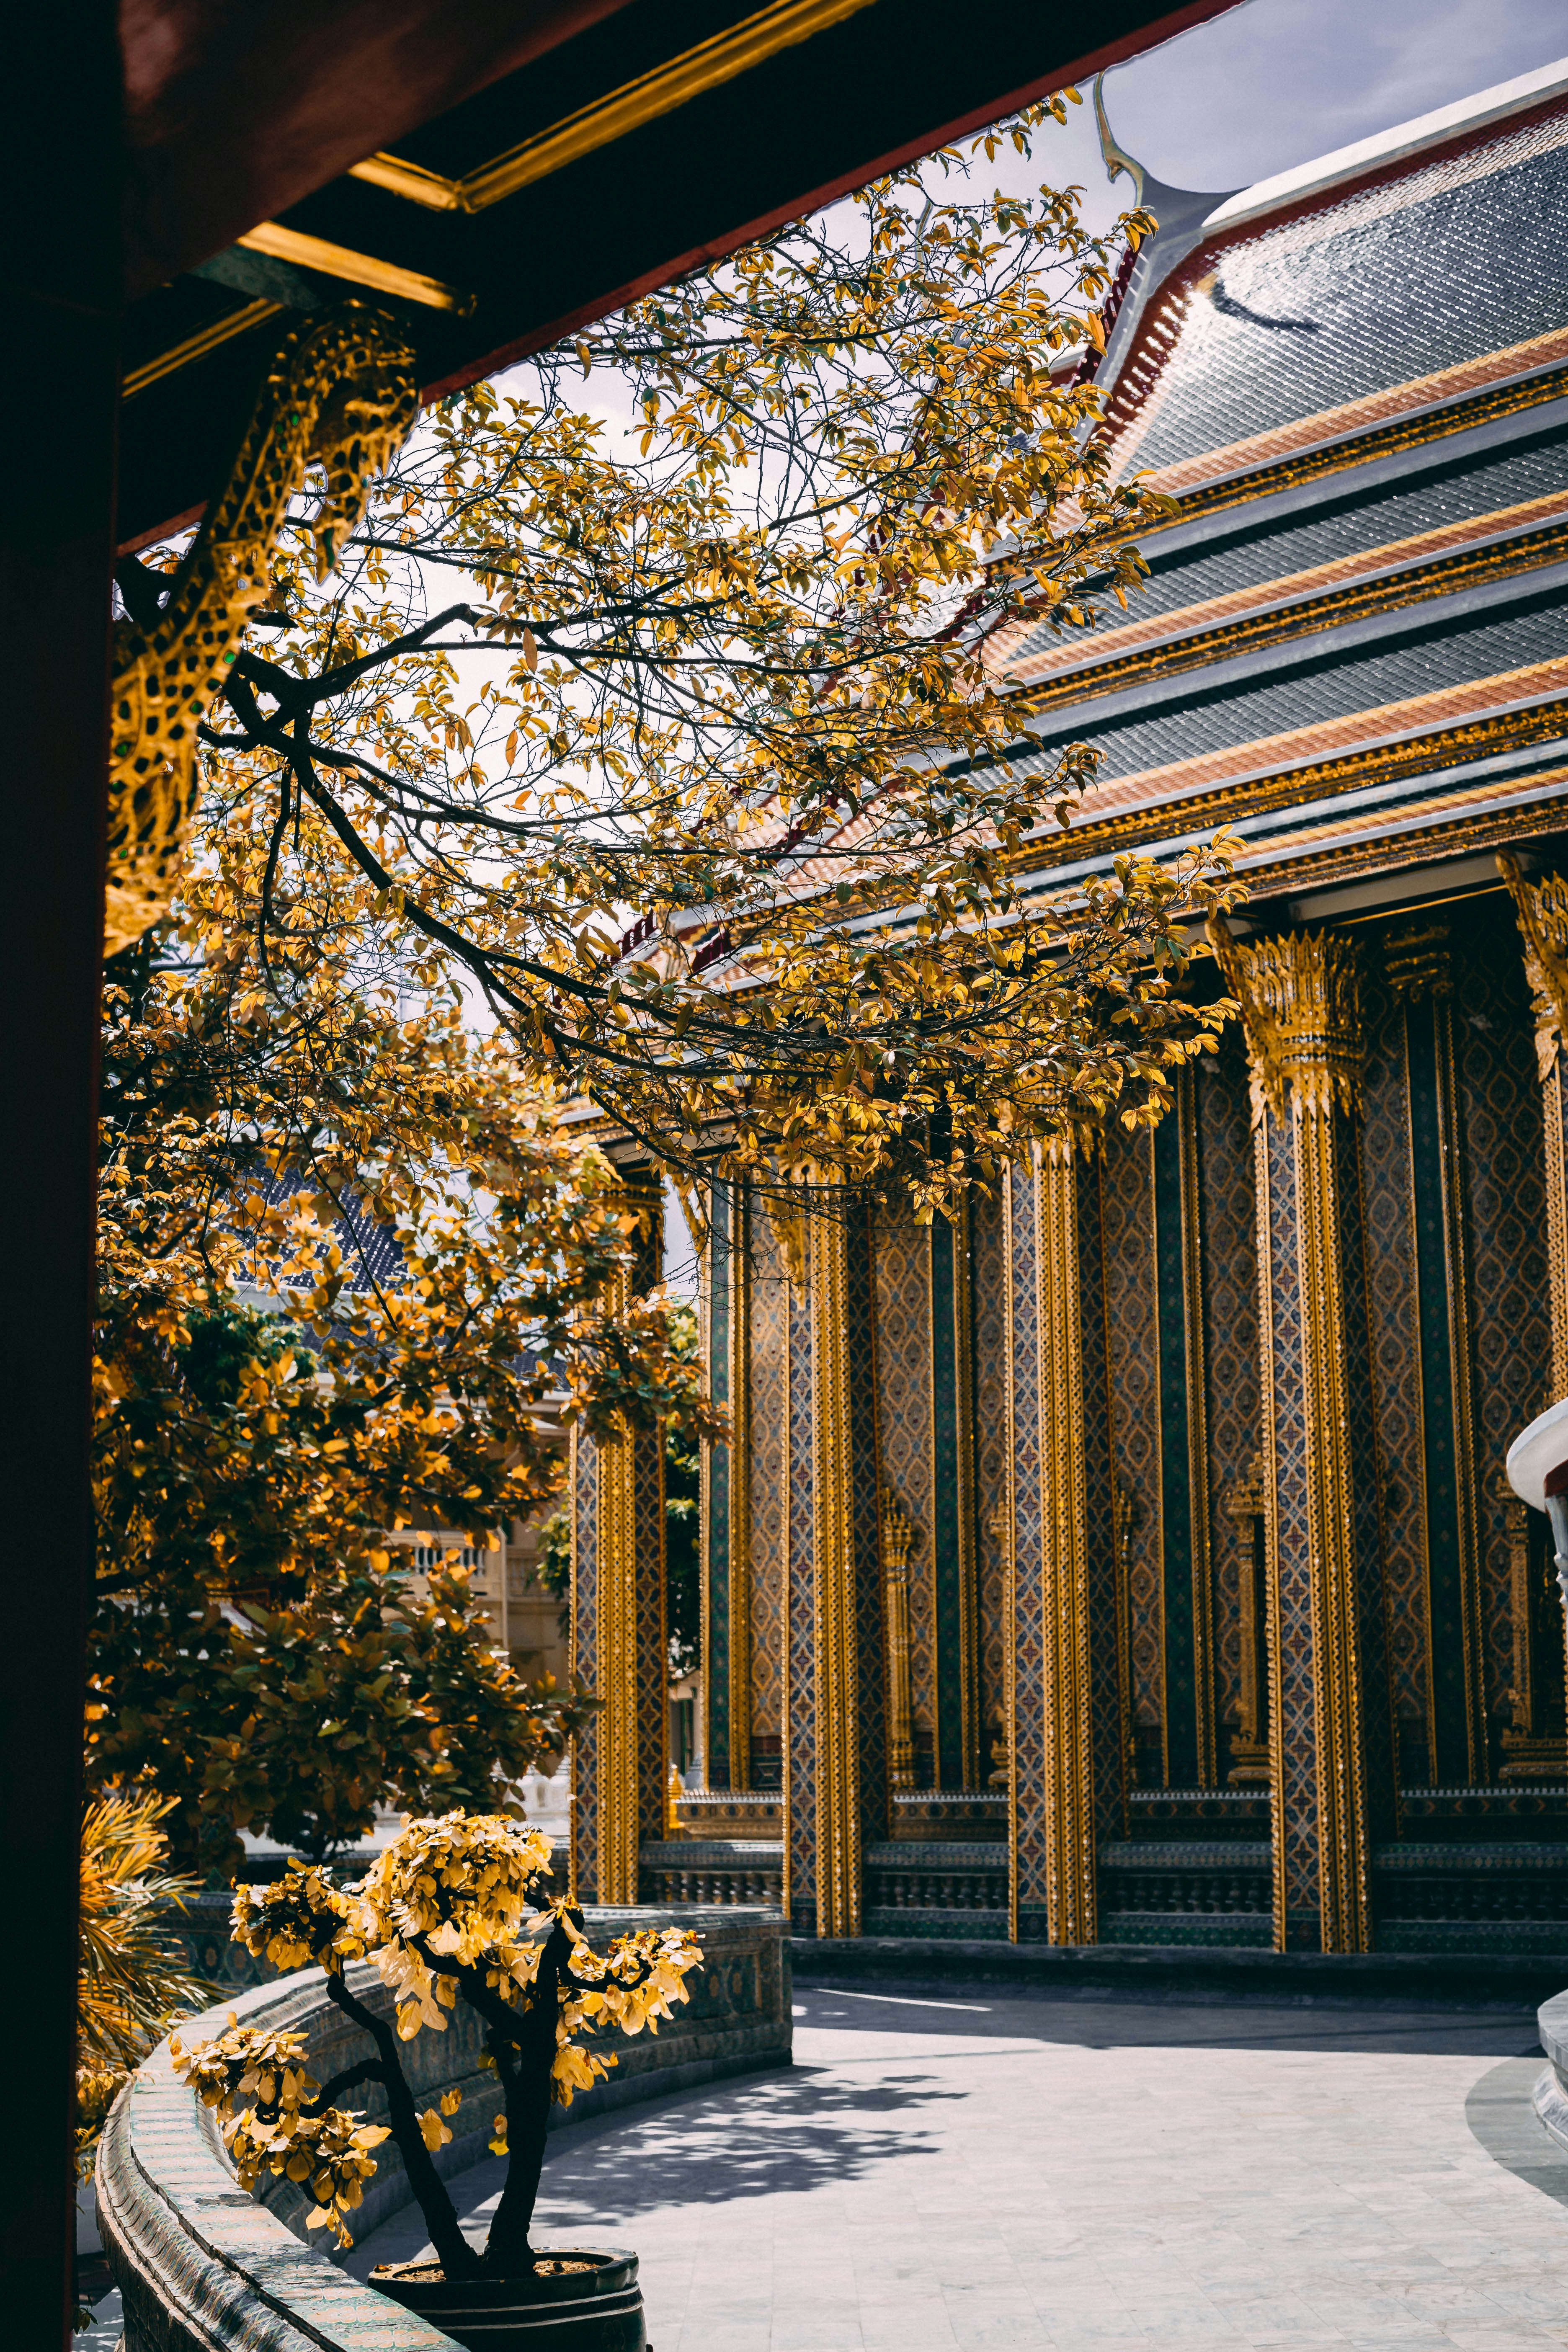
(1093, 2175)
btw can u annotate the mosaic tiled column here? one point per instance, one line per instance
(726, 1497)
(1063, 1677)
(1416, 967)
(1329, 1718)
(1542, 909)
(619, 1643)
(957, 1676)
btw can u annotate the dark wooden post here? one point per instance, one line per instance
(61, 148)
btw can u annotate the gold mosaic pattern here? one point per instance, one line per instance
(1130, 1317)
(1235, 1410)
(1500, 1115)
(1386, 1183)
(904, 1415)
(990, 1279)
(1108, 1757)
(769, 1474)
(586, 1826)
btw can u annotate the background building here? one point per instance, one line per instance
(1131, 1562)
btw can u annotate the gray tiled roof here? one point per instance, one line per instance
(1240, 552)
(1374, 291)
(371, 1250)
(1304, 685)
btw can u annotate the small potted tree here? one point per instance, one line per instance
(451, 1912)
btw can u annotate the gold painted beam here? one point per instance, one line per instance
(360, 268)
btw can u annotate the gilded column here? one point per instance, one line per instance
(1053, 1829)
(1329, 1719)
(1542, 910)
(1417, 968)
(848, 1666)
(619, 1643)
(726, 1497)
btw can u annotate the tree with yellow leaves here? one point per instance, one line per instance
(693, 757)
(451, 1912)
(134, 1975)
(347, 1260)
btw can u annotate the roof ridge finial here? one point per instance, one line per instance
(1116, 159)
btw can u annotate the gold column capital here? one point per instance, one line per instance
(1543, 911)
(1300, 1009)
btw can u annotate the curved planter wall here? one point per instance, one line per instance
(200, 2264)
(1551, 2083)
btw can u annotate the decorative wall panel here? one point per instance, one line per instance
(801, 1696)
(1190, 1754)
(618, 1616)
(1396, 1368)
(952, 1462)
(652, 1640)
(1030, 1887)
(768, 1473)
(904, 1403)
(1234, 1415)
(1106, 1632)
(861, 1349)
(1133, 1340)
(993, 1487)
(1500, 1100)
(584, 1491)
(1292, 1724)
(724, 1610)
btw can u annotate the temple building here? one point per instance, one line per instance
(1131, 1561)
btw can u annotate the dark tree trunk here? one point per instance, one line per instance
(459, 2259)
(526, 2078)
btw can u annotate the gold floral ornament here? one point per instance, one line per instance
(457, 1909)
(342, 392)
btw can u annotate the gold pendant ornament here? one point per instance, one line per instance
(342, 393)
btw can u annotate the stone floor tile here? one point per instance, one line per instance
(1083, 2176)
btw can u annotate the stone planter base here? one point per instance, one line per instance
(597, 2310)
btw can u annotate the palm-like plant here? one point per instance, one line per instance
(135, 1976)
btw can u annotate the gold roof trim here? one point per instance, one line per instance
(605, 120)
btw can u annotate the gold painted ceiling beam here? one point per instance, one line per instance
(360, 268)
(605, 120)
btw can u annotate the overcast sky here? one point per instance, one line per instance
(1278, 82)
